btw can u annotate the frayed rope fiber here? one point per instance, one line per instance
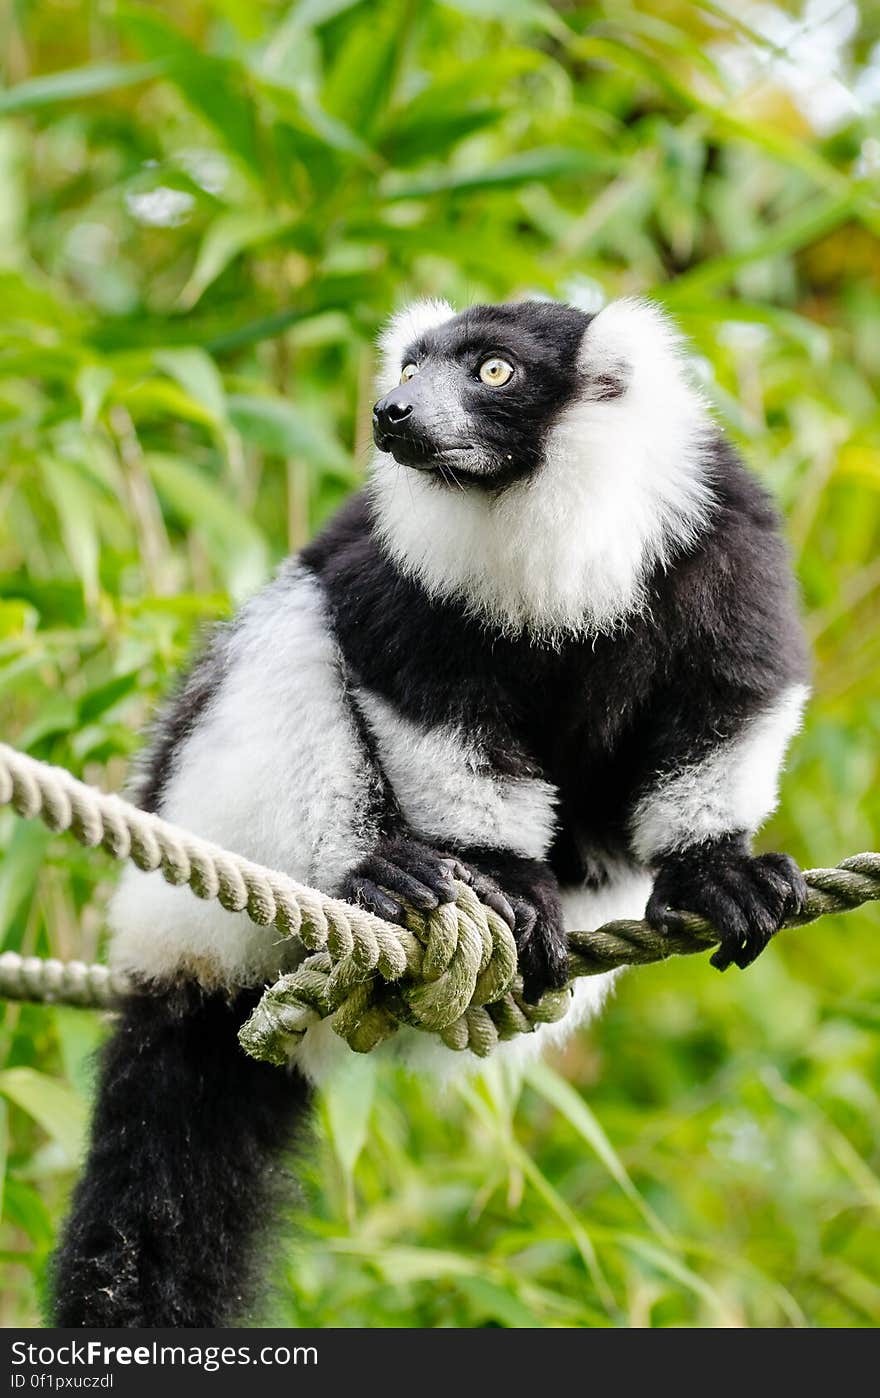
(451, 972)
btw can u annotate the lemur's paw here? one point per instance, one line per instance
(542, 949)
(534, 915)
(745, 897)
(490, 893)
(399, 871)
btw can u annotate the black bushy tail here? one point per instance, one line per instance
(186, 1167)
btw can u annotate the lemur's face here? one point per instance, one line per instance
(479, 393)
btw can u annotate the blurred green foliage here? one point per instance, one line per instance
(206, 209)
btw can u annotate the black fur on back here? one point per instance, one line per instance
(186, 1164)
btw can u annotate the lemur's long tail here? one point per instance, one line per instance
(185, 1167)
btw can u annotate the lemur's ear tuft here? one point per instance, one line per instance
(399, 332)
(626, 341)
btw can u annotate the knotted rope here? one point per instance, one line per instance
(451, 972)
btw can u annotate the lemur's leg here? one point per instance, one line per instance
(403, 869)
(186, 1159)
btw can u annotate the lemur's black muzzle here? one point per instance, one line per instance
(398, 426)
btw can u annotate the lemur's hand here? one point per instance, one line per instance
(403, 870)
(525, 893)
(746, 897)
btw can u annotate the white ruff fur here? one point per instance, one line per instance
(321, 1053)
(273, 770)
(447, 791)
(400, 332)
(621, 490)
(735, 788)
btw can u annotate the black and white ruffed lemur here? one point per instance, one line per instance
(552, 646)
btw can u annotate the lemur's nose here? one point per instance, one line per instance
(390, 411)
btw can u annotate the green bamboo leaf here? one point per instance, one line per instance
(348, 1105)
(53, 1104)
(311, 129)
(156, 397)
(406, 144)
(24, 1209)
(572, 1106)
(75, 504)
(73, 84)
(14, 204)
(467, 83)
(79, 1037)
(498, 1303)
(17, 618)
(860, 1172)
(409, 1264)
(93, 383)
(310, 14)
(513, 12)
(530, 167)
(735, 22)
(803, 228)
(227, 237)
(278, 426)
(236, 545)
(27, 300)
(713, 311)
(721, 118)
(580, 1235)
(104, 697)
(359, 84)
(56, 716)
(456, 105)
(197, 374)
(20, 868)
(215, 87)
(4, 1150)
(679, 1271)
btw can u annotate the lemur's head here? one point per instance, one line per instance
(478, 392)
(535, 461)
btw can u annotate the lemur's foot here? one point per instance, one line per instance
(745, 897)
(403, 870)
(528, 900)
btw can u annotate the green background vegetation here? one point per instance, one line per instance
(206, 209)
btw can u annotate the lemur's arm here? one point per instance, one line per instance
(405, 868)
(456, 805)
(731, 694)
(694, 823)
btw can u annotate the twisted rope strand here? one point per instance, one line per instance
(451, 972)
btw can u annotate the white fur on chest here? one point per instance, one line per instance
(447, 790)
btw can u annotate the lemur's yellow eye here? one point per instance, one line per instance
(495, 372)
(409, 372)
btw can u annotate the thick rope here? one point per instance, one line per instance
(47, 981)
(451, 972)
